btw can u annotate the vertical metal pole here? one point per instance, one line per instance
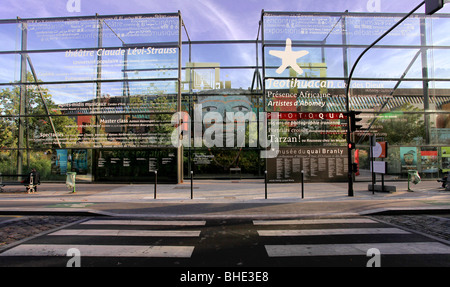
(425, 82)
(303, 184)
(192, 184)
(344, 44)
(265, 184)
(156, 183)
(263, 93)
(22, 99)
(263, 61)
(373, 140)
(98, 94)
(347, 106)
(180, 148)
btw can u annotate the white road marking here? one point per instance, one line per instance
(357, 249)
(101, 250)
(310, 232)
(313, 221)
(116, 232)
(146, 222)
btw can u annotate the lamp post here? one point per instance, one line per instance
(432, 6)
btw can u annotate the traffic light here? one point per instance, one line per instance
(355, 167)
(351, 145)
(432, 6)
(354, 119)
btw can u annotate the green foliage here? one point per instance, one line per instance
(35, 126)
(402, 128)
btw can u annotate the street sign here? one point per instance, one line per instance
(379, 167)
(379, 150)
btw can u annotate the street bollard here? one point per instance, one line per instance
(192, 184)
(303, 185)
(265, 183)
(156, 183)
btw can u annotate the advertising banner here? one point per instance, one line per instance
(445, 153)
(408, 157)
(61, 161)
(429, 160)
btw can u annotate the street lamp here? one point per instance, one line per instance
(431, 7)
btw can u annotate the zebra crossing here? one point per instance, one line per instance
(320, 238)
(114, 231)
(292, 242)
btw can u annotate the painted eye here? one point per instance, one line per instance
(209, 109)
(240, 109)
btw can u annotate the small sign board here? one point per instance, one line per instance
(379, 150)
(379, 167)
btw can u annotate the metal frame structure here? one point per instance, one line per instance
(257, 86)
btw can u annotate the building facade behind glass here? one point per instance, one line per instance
(97, 96)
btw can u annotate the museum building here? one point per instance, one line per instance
(115, 98)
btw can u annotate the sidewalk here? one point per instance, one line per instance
(216, 198)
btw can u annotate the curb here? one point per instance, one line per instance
(52, 211)
(406, 211)
(97, 213)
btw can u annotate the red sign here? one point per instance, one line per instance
(380, 150)
(309, 116)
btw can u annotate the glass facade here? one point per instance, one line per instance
(99, 95)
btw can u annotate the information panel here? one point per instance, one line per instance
(317, 163)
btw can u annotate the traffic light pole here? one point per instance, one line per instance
(349, 155)
(347, 90)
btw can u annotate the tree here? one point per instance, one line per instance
(402, 128)
(39, 123)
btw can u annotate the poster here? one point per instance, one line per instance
(445, 153)
(429, 160)
(80, 161)
(61, 161)
(408, 157)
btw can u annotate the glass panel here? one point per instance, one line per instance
(9, 68)
(11, 35)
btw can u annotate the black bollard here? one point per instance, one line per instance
(192, 184)
(156, 183)
(265, 183)
(303, 184)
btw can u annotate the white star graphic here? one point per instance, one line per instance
(289, 58)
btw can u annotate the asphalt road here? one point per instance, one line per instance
(229, 243)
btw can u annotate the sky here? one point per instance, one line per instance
(204, 19)
(208, 20)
